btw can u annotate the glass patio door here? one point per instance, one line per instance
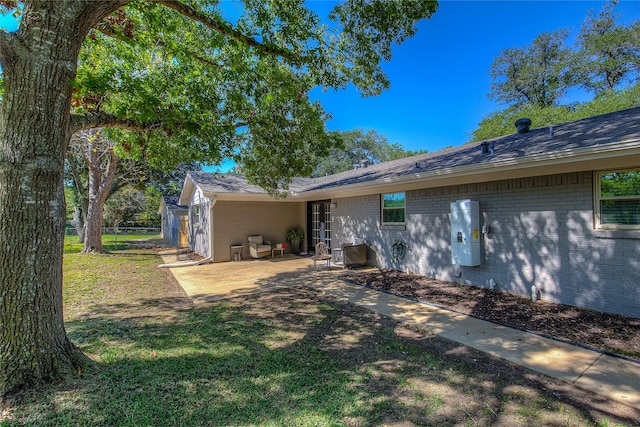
(320, 223)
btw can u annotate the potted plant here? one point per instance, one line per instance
(295, 236)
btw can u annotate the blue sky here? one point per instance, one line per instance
(440, 77)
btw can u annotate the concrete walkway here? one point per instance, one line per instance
(613, 377)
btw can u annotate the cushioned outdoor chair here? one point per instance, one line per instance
(258, 247)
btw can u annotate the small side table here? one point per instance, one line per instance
(236, 250)
(336, 253)
(273, 252)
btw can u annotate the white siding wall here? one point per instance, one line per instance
(167, 220)
(199, 231)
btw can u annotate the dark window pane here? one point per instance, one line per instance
(393, 215)
(622, 212)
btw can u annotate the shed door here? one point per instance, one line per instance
(183, 232)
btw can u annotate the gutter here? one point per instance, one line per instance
(555, 158)
(186, 264)
(496, 169)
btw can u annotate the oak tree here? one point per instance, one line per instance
(531, 80)
(608, 52)
(538, 74)
(244, 80)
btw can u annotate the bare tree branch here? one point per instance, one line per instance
(104, 120)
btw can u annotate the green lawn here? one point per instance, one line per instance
(286, 358)
(110, 242)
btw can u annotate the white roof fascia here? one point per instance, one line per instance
(626, 154)
(249, 197)
(188, 188)
(618, 154)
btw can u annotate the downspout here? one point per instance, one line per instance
(186, 264)
(203, 260)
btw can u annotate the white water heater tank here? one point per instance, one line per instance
(465, 233)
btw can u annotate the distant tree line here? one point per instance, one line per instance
(352, 148)
(533, 80)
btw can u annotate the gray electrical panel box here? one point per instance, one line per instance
(465, 233)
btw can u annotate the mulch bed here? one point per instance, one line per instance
(611, 333)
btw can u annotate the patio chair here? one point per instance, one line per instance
(322, 254)
(258, 247)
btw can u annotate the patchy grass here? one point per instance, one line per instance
(286, 358)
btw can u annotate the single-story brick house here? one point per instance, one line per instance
(171, 213)
(557, 208)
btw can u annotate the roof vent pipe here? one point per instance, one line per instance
(522, 125)
(364, 163)
(487, 147)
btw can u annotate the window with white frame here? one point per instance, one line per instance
(196, 214)
(617, 199)
(393, 209)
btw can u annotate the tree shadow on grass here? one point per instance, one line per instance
(291, 357)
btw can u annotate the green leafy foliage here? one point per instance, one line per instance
(352, 147)
(132, 207)
(295, 235)
(609, 53)
(535, 75)
(502, 122)
(620, 184)
(239, 91)
(369, 30)
(532, 80)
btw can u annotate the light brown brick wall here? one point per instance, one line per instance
(233, 222)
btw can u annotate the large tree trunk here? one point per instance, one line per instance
(100, 181)
(78, 222)
(80, 196)
(38, 65)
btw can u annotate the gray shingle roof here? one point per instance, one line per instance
(597, 131)
(215, 183)
(590, 132)
(171, 202)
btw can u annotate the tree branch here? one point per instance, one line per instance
(224, 28)
(7, 45)
(108, 30)
(104, 120)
